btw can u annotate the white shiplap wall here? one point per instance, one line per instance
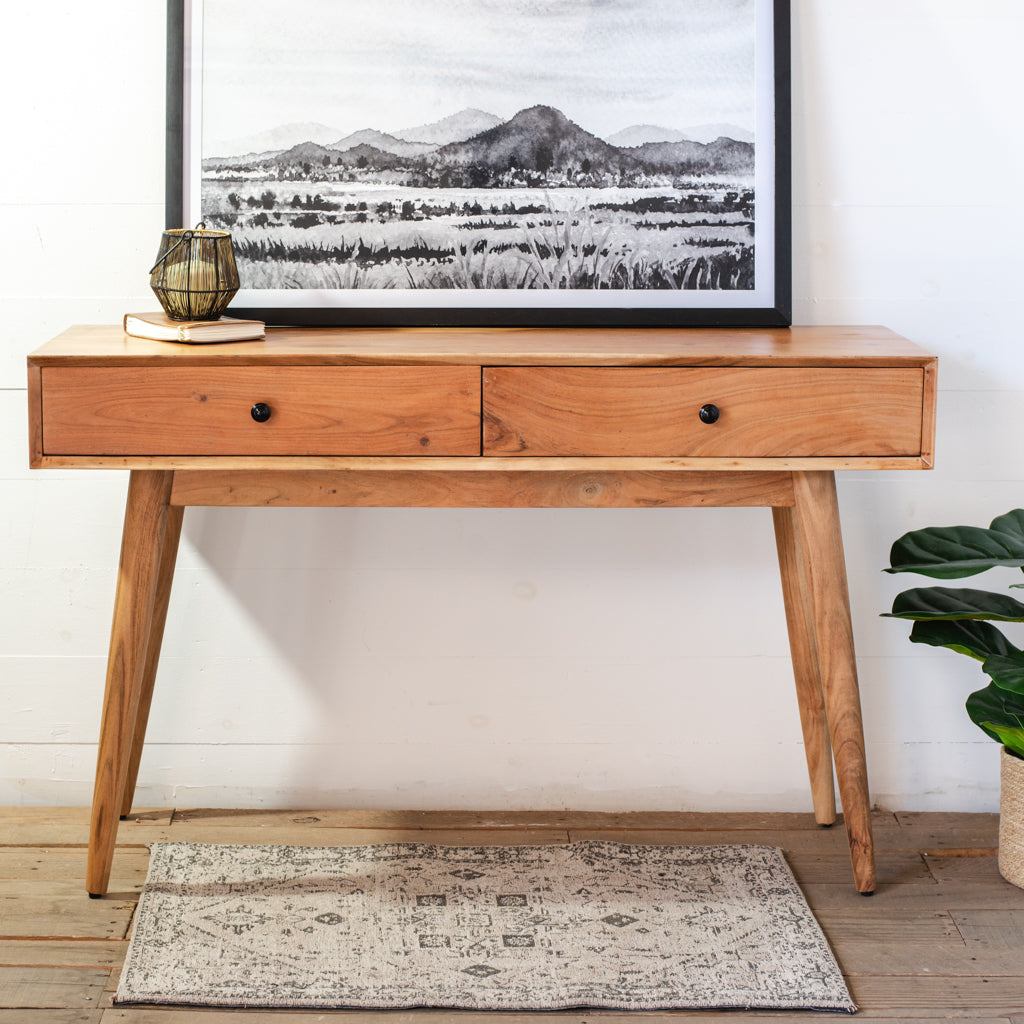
(594, 659)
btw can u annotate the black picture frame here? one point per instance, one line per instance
(775, 310)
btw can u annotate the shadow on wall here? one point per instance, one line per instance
(473, 627)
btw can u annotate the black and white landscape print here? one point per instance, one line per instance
(528, 145)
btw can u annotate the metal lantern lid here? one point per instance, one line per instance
(194, 276)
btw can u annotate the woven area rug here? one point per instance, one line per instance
(589, 924)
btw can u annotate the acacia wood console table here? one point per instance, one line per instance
(491, 418)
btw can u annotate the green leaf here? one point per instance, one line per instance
(952, 552)
(956, 603)
(1012, 739)
(1011, 523)
(1007, 671)
(992, 709)
(976, 639)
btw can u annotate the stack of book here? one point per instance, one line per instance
(160, 327)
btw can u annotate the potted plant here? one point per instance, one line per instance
(962, 619)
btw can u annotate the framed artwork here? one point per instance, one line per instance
(488, 162)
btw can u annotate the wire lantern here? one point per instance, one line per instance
(194, 276)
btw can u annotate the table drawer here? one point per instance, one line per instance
(763, 412)
(314, 410)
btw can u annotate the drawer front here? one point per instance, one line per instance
(763, 412)
(321, 410)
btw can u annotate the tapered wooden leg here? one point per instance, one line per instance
(804, 651)
(822, 566)
(145, 526)
(165, 575)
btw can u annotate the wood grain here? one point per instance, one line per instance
(480, 464)
(35, 415)
(821, 568)
(45, 815)
(145, 524)
(297, 835)
(980, 865)
(866, 924)
(175, 410)
(51, 1016)
(947, 822)
(923, 895)
(666, 821)
(50, 989)
(64, 888)
(59, 915)
(806, 667)
(936, 835)
(469, 489)
(921, 993)
(648, 411)
(892, 866)
(984, 930)
(161, 601)
(67, 833)
(906, 958)
(510, 346)
(931, 384)
(66, 865)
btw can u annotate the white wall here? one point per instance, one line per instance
(502, 659)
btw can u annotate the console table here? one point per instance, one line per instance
(491, 418)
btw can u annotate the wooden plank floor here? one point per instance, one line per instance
(943, 937)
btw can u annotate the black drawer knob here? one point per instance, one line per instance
(260, 412)
(709, 413)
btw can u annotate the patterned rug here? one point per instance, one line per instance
(589, 924)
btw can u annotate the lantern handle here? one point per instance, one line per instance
(186, 236)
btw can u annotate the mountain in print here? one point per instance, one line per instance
(539, 147)
(304, 152)
(723, 156)
(538, 138)
(709, 132)
(382, 141)
(454, 128)
(295, 161)
(641, 134)
(364, 155)
(274, 140)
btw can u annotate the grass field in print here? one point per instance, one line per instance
(337, 234)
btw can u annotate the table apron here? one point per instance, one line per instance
(482, 489)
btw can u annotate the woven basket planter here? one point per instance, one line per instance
(1011, 818)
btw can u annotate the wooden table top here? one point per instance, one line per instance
(724, 346)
